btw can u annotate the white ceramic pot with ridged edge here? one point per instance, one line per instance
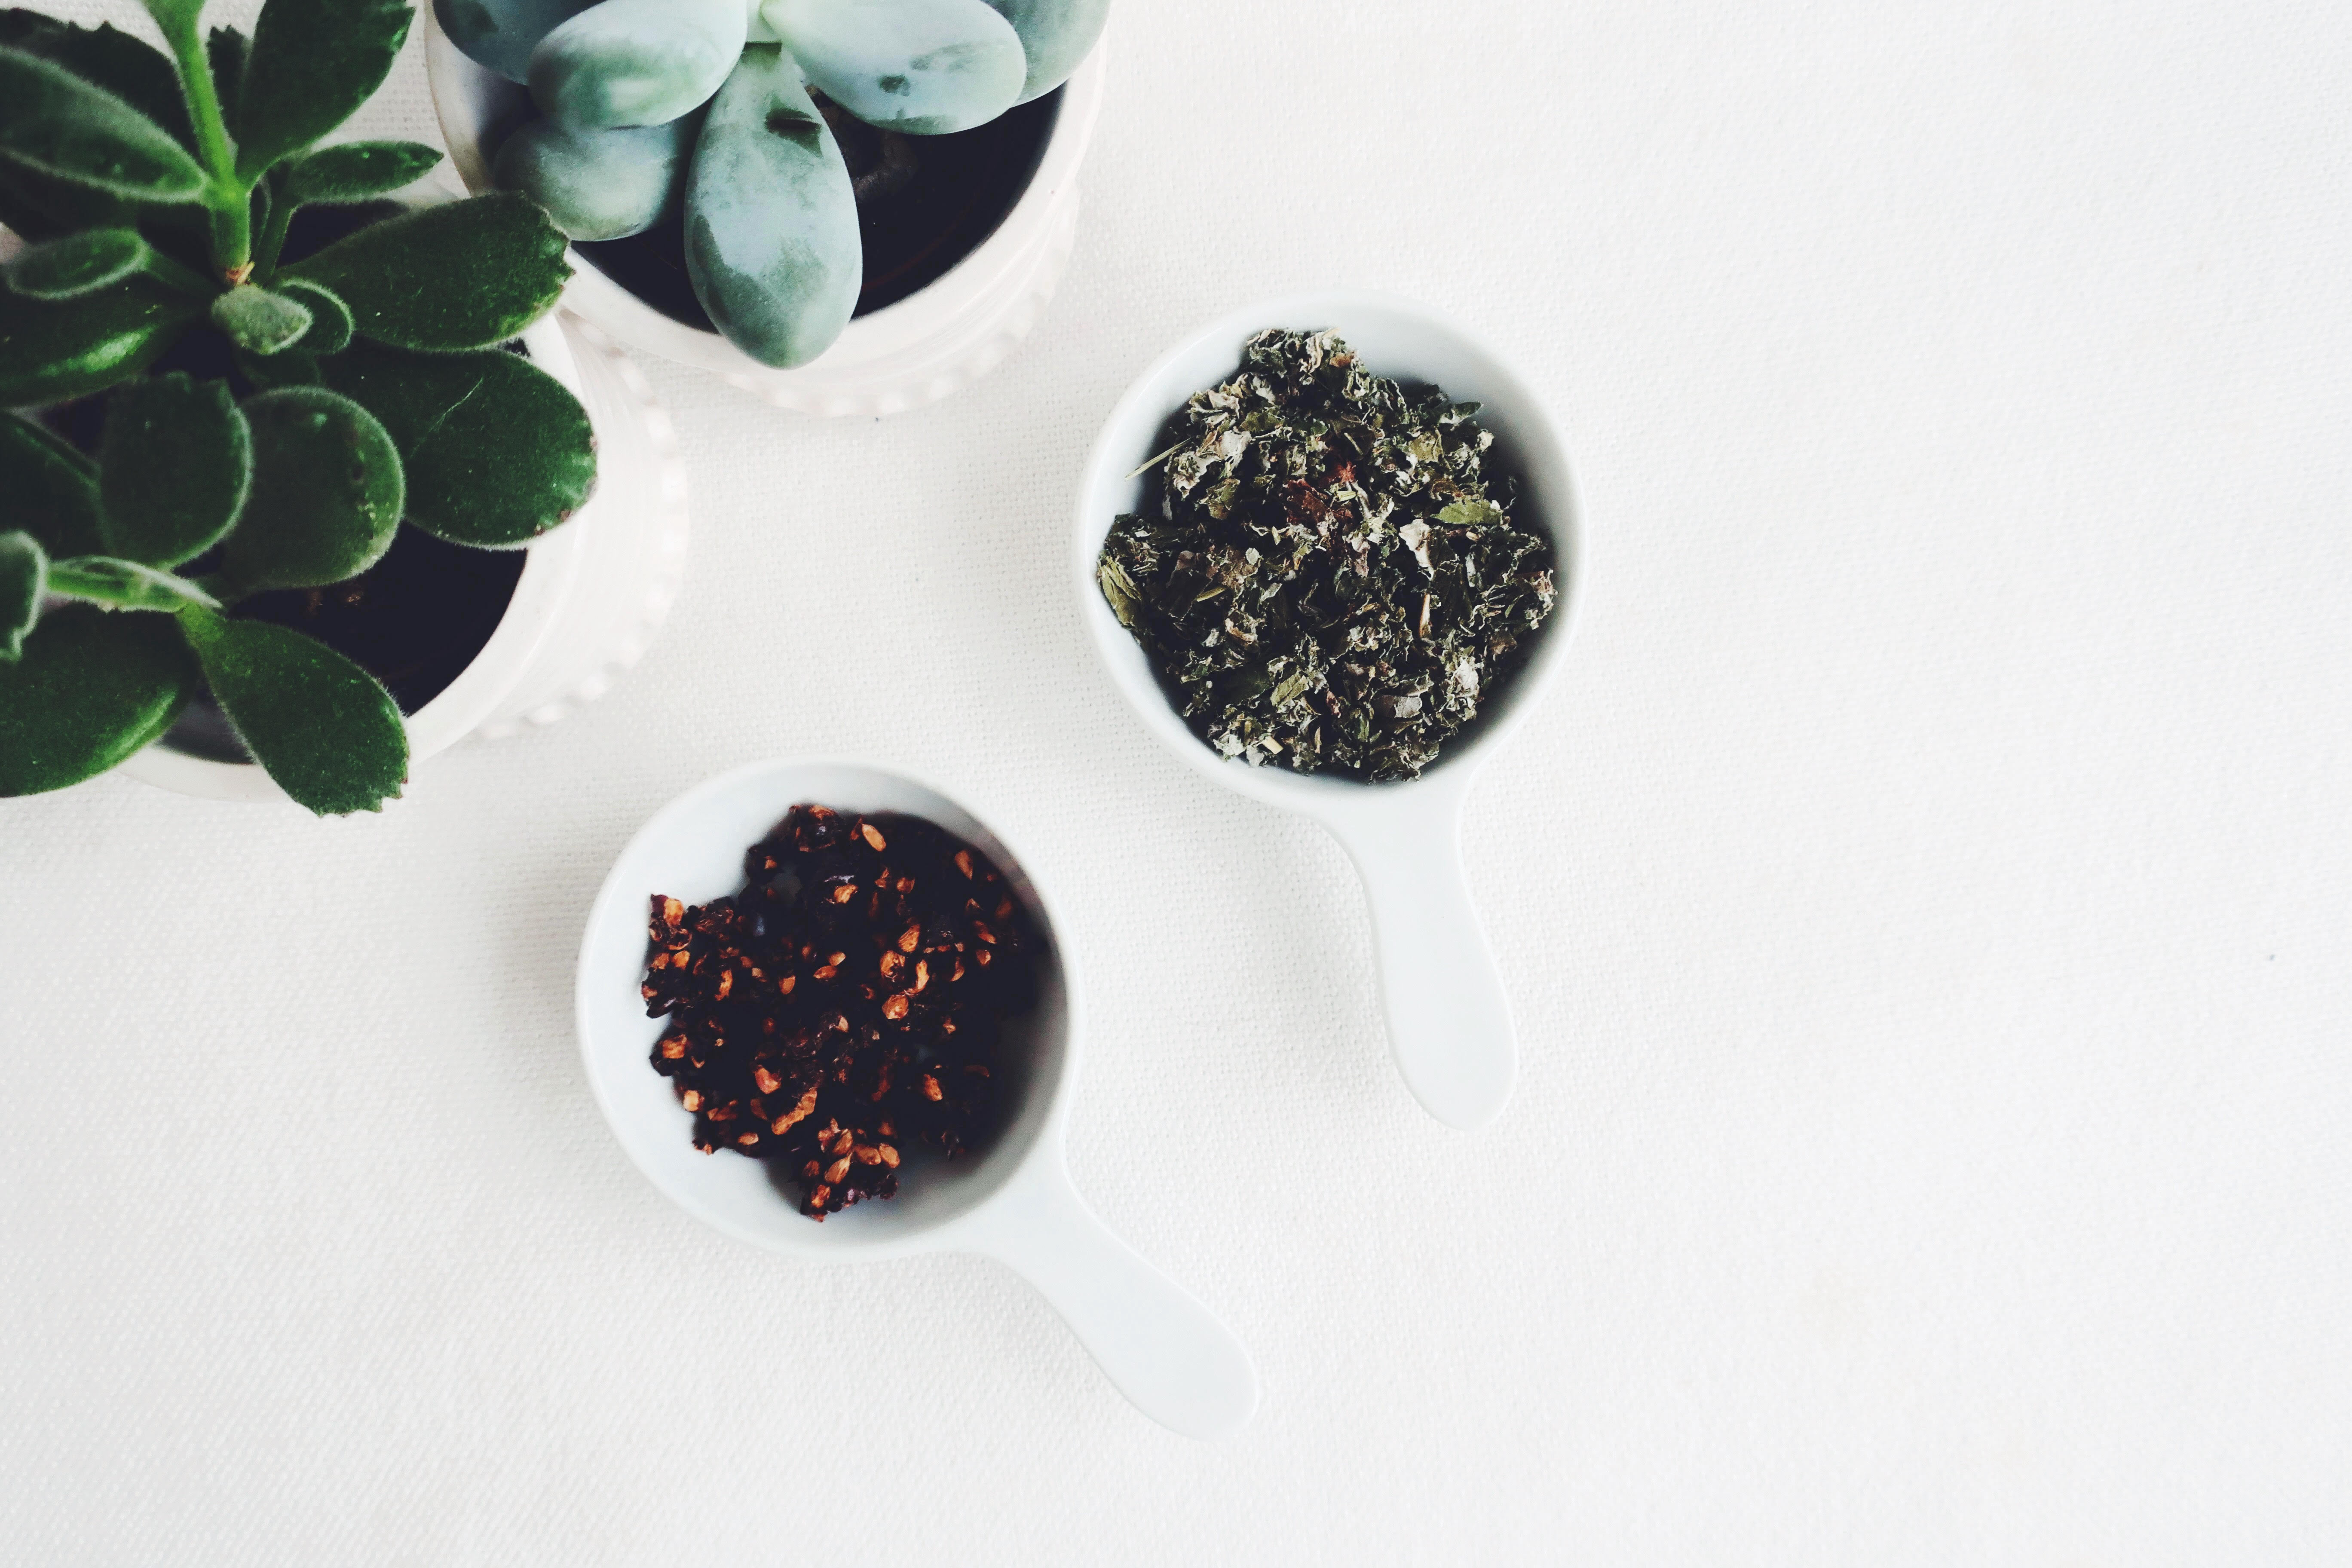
(592, 595)
(936, 341)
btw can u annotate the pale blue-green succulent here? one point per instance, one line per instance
(771, 217)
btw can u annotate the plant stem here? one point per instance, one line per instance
(231, 205)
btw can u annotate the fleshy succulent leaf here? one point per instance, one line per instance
(312, 64)
(326, 496)
(51, 350)
(24, 578)
(258, 321)
(174, 461)
(355, 171)
(637, 62)
(54, 122)
(130, 68)
(40, 206)
(51, 490)
(114, 583)
(323, 728)
(297, 366)
(495, 450)
(89, 689)
(225, 52)
(331, 319)
(926, 67)
(461, 274)
(771, 236)
(600, 185)
(500, 33)
(1055, 35)
(77, 264)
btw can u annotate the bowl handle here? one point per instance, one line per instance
(1449, 1021)
(1159, 1347)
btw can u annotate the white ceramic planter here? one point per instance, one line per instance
(935, 342)
(590, 599)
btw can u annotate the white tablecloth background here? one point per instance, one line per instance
(1926, 897)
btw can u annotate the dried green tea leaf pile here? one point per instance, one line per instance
(1330, 583)
(849, 1001)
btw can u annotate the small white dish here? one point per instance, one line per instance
(1013, 1200)
(1449, 1022)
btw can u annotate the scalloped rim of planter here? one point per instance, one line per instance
(936, 341)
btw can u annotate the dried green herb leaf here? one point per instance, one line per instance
(1326, 577)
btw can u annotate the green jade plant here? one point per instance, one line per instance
(655, 105)
(155, 192)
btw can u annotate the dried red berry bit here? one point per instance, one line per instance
(897, 1037)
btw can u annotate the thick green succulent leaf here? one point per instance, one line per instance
(39, 207)
(1055, 35)
(462, 275)
(331, 319)
(120, 585)
(130, 68)
(312, 64)
(90, 690)
(600, 185)
(637, 62)
(55, 124)
(51, 350)
(326, 497)
(258, 321)
(297, 366)
(47, 489)
(24, 578)
(77, 264)
(174, 461)
(495, 450)
(772, 241)
(355, 171)
(927, 67)
(225, 52)
(323, 728)
(500, 33)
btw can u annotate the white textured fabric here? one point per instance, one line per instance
(1926, 897)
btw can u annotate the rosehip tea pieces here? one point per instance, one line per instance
(847, 1004)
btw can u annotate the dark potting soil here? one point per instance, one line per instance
(414, 620)
(915, 224)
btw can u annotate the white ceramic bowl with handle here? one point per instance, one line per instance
(1014, 1201)
(1449, 1022)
